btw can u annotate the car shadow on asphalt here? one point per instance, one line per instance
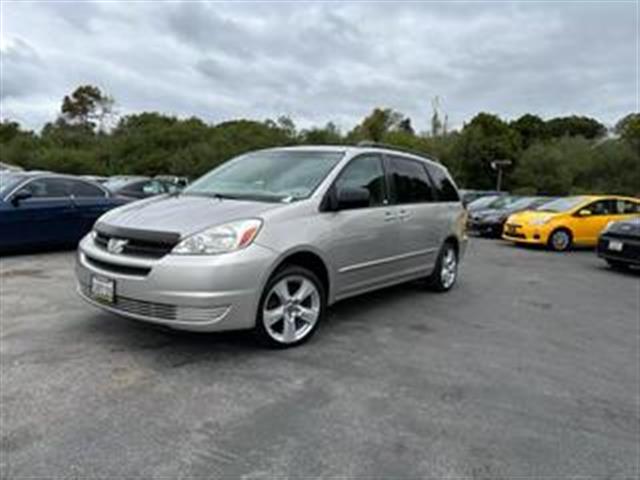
(182, 347)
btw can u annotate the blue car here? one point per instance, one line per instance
(46, 210)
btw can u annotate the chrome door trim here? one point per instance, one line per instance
(381, 261)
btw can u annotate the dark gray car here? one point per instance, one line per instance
(268, 240)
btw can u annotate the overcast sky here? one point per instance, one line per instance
(320, 62)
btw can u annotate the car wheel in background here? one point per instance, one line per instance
(291, 308)
(560, 240)
(445, 273)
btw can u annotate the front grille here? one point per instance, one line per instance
(137, 247)
(511, 230)
(163, 311)
(630, 250)
(117, 268)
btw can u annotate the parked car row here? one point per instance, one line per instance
(48, 210)
(609, 222)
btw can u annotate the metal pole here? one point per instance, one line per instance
(499, 178)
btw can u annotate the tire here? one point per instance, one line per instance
(285, 318)
(560, 240)
(618, 265)
(445, 273)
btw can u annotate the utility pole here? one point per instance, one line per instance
(499, 166)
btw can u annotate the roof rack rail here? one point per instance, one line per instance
(368, 143)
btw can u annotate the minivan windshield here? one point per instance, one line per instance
(561, 204)
(272, 175)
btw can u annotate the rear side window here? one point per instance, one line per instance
(409, 181)
(364, 172)
(445, 188)
(85, 190)
(627, 206)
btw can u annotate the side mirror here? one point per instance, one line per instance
(585, 213)
(19, 196)
(348, 198)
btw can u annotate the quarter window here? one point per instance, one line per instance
(409, 181)
(364, 172)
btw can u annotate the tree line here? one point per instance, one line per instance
(558, 156)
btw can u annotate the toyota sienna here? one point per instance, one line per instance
(268, 240)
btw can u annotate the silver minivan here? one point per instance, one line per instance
(268, 240)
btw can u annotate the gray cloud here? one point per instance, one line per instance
(322, 62)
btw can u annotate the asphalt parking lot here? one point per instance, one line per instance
(530, 367)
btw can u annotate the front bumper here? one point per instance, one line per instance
(528, 234)
(187, 292)
(483, 228)
(630, 249)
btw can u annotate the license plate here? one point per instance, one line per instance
(615, 245)
(103, 289)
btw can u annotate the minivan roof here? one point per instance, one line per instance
(354, 149)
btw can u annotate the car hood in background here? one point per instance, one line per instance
(182, 214)
(527, 216)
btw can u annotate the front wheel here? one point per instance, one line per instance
(291, 308)
(560, 240)
(445, 273)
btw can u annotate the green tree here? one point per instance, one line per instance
(89, 106)
(531, 128)
(483, 140)
(628, 128)
(376, 125)
(575, 126)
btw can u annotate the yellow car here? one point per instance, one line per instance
(569, 221)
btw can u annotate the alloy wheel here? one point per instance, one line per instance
(560, 240)
(449, 269)
(291, 309)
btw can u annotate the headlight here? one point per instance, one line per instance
(540, 221)
(220, 239)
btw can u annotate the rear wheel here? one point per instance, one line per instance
(560, 240)
(445, 273)
(292, 306)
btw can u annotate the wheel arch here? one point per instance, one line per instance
(309, 258)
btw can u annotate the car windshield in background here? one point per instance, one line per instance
(522, 203)
(9, 180)
(502, 202)
(561, 204)
(483, 202)
(116, 183)
(270, 175)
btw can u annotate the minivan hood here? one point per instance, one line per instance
(182, 214)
